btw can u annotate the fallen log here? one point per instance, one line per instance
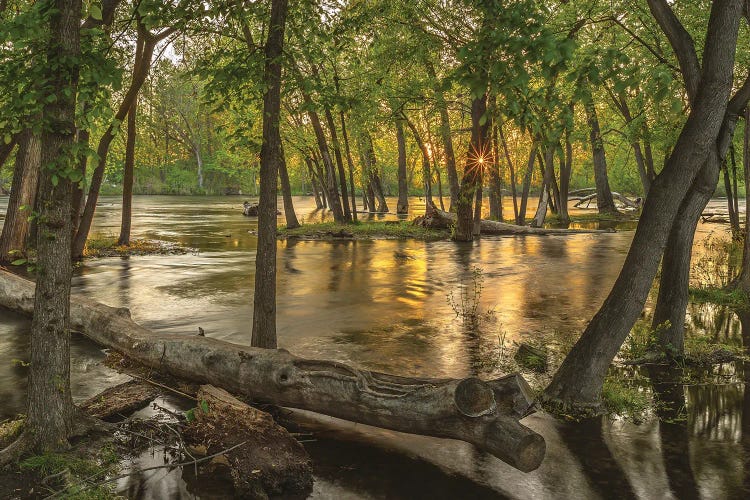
(501, 228)
(636, 204)
(484, 414)
(120, 400)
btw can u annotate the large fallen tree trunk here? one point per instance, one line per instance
(484, 414)
(501, 228)
(636, 204)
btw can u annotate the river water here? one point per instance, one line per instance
(384, 305)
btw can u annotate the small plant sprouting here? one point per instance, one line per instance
(466, 306)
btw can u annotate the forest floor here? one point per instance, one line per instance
(385, 230)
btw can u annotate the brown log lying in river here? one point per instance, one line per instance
(500, 228)
(484, 414)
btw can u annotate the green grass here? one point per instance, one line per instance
(735, 298)
(107, 247)
(399, 230)
(78, 475)
(625, 400)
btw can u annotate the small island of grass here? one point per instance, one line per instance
(385, 230)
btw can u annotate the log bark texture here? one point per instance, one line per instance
(484, 414)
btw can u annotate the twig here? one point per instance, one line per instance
(157, 384)
(165, 466)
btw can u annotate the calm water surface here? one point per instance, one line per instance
(383, 305)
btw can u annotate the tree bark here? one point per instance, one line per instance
(402, 207)
(271, 158)
(512, 169)
(579, 380)
(350, 164)
(482, 413)
(475, 159)
(339, 164)
(743, 280)
(496, 183)
(521, 218)
(141, 68)
(446, 136)
(15, 234)
(426, 167)
(50, 404)
(376, 186)
(604, 202)
(286, 190)
(128, 175)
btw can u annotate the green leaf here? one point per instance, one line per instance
(19, 262)
(96, 12)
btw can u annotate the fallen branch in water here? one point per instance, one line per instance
(484, 414)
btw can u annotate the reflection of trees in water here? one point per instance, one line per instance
(715, 321)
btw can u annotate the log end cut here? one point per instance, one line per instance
(474, 398)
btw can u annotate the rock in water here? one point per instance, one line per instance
(251, 209)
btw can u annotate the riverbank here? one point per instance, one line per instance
(386, 230)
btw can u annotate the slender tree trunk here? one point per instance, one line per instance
(439, 179)
(50, 406)
(743, 280)
(350, 164)
(286, 191)
(566, 168)
(376, 186)
(579, 379)
(14, 238)
(512, 169)
(496, 183)
(128, 175)
(476, 231)
(84, 138)
(604, 201)
(402, 207)
(471, 181)
(734, 217)
(339, 164)
(271, 158)
(426, 168)
(140, 72)
(521, 219)
(447, 138)
(199, 162)
(314, 183)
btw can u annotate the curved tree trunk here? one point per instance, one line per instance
(579, 379)
(482, 413)
(350, 164)
(604, 202)
(15, 234)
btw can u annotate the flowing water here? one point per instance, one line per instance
(384, 305)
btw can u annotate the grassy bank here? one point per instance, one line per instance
(387, 230)
(107, 247)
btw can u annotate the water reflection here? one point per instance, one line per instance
(382, 305)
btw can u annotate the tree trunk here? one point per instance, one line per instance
(743, 281)
(286, 191)
(476, 231)
(566, 168)
(426, 168)
(482, 413)
(314, 183)
(50, 404)
(375, 185)
(339, 164)
(403, 188)
(512, 174)
(128, 175)
(350, 164)
(84, 138)
(475, 160)
(15, 234)
(271, 158)
(669, 314)
(579, 380)
(734, 217)
(496, 183)
(521, 218)
(140, 72)
(604, 202)
(446, 136)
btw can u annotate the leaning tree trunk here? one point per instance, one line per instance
(604, 202)
(350, 165)
(446, 136)
(128, 177)
(339, 164)
(743, 280)
(271, 158)
(483, 413)
(669, 314)
(50, 404)
(579, 379)
(426, 167)
(402, 207)
(286, 192)
(521, 218)
(496, 185)
(14, 237)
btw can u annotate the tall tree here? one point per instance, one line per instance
(271, 157)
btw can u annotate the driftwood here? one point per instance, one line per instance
(636, 204)
(484, 414)
(120, 400)
(502, 228)
(272, 462)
